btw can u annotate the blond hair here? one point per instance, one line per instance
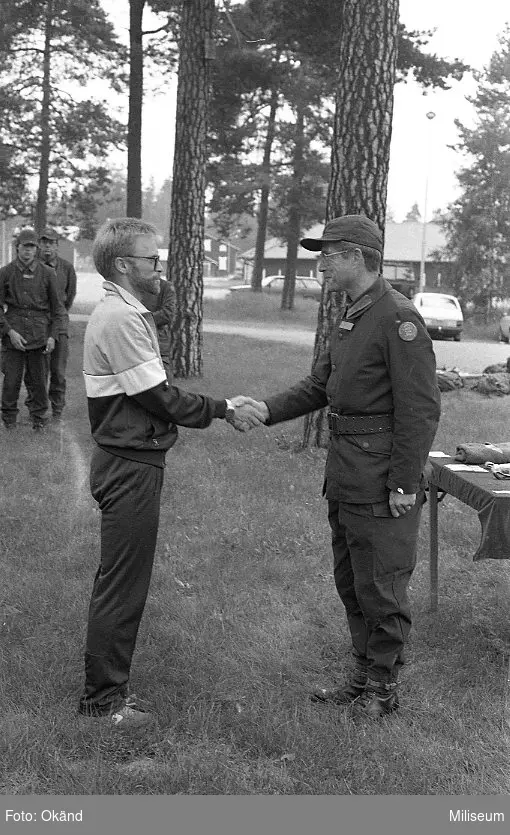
(116, 238)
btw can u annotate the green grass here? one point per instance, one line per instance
(242, 618)
(245, 306)
(477, 329)
(262, 307)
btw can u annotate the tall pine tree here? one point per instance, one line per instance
(186, 245)
(53, 51)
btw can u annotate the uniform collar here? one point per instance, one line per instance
(367, 299)
(31, 268)
(115, 289)
(53, 263)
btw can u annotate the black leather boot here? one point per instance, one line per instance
(377, 700)
(346, 693)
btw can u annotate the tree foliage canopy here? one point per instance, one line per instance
(291, 47)
(478, 225)
(52, 52)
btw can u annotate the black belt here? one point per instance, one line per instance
(359, 424)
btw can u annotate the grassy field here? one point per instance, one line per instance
(242, 619)
(253, 307)
(248, 307)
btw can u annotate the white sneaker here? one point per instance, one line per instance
(131, 716)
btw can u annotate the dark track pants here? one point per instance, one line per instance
(128, 494)
(14, 365)
(374, 557)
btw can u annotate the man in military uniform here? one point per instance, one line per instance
(66, 288)
(162, 307)
(378, 378)
(30, 313)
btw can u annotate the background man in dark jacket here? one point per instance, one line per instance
(134, 413)
(378, 378)
(66, 288)
(161, 307)
(29, 328)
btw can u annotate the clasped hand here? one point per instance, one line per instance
(248, 413)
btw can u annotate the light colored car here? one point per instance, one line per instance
(307, 287)
(442, 314)
(504, 328)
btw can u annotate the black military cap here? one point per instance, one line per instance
(354, 229)
(49, 234)
(26, 236)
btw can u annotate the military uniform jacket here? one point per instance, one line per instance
(380, 362)
(162, 310)
(33, 307)
(66, 288)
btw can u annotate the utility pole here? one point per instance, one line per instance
(421, 286)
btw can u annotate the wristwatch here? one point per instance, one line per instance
(230, 411)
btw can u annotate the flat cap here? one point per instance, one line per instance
(26, 236)
(354, 229)
(49, 233)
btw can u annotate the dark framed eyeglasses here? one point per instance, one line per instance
(154, 258)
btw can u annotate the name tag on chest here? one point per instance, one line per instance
(346, 326)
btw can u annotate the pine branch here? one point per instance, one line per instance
(164, 28)
(26, 49)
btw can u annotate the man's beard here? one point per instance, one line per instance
(149, 286)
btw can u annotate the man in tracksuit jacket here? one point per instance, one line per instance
(134, 412)
(378, 378)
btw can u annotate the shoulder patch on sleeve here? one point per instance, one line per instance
(407, 331)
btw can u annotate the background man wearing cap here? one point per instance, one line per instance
(161, 307)
(29, 327)
(378, 378)
(66, 289)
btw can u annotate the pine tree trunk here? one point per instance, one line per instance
(260, 244)
(44, 160)
(294, 222)
(361, 138)
(134, 138)
(186, 248)
(364, 110)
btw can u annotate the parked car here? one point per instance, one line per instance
(306, 287)
(504, 328)
(442, 314)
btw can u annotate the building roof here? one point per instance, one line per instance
(275, 249)
(402, 242)
(212, 233)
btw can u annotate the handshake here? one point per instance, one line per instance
(248, 413)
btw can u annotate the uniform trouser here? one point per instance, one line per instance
(128, 494)
(14, 365)
(57, 361)
(56, 369)
(374, 557)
